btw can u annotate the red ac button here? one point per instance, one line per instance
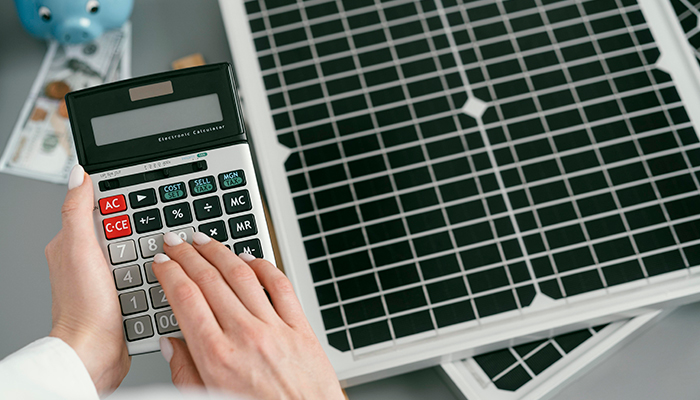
(117, 227)
(113, 204)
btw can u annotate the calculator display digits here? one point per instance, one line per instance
(166, 153)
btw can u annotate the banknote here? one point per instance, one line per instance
(41, 144)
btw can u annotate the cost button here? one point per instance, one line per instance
(173, 191)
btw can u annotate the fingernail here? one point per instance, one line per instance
(246, 257)
(76, 178)
(166, 349)
(172, 239)
(160, 258)
(200, 238)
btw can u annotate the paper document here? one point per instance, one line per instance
(41, 145)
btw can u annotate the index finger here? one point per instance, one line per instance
(191, 309)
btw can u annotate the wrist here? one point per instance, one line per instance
(106, 364)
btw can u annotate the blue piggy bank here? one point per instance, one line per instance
(72, 21)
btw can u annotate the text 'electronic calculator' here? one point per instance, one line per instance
(166, 153)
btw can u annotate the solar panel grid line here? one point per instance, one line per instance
(590, 135)
(357, 210)
(474, 271)
(406, 60)
(431, 172)
(489, 151)
(435, 182)
(639, 148)
(557, 158)
(565, 153)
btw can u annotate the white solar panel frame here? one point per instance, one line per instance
(462, 340)
(469, 382)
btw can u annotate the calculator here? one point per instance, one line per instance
(166, 153)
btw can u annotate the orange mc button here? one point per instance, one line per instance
(117, 227)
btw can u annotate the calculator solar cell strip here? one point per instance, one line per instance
(454, 160)
(688, 12)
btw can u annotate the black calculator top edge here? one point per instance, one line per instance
(214, 79)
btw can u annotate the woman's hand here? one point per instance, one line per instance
(236, 340)
(85, 307)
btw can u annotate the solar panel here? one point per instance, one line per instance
(442, 170)
(687, 12)
(534, 370)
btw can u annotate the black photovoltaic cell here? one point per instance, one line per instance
(511, 368)
(410, 222)
(688, 12)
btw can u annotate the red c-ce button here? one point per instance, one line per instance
(117, 227)
(110, 205)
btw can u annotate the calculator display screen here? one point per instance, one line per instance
(160, 118)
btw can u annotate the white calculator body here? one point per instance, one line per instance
(166, 153)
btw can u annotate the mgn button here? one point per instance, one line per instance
(138, 328)
(110, 205)
(142, 198)
(237, 202)
(134, 302)
(242, 226)
(202, 185)
(166, 322)
(158, 297)
(147, 221)
(174, 191)
(117, 227)
(122, 252)
(177, 214)
(215, 230)
(251, 247)
(207, 208)
(230, 180)
(127, 277)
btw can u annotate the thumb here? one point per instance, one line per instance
(77, 208)
(182, 369)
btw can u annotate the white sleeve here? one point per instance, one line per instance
(45, 369)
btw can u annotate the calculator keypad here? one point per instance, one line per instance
(147, 221)
(237, 202)
(207, 208)
(151, 245)
(117, 227)
(242, 226)
(148, 224)
(133, 302)
(142, 198)
(158, 299)
(127, 277)
(138, 328)
(166, 322)
(177, 214)
(122, 252)
(215, 230)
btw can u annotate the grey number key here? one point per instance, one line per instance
(138, 328)
(158, 297)
(151, 245)
(122, 252)
(185, 234)
(133, 302)
(150, 276)
(166, 322)
(127, 277)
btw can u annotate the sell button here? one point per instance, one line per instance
(110, 205)
(202, 185)
(117, 227)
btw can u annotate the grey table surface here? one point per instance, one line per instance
(662, 363)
